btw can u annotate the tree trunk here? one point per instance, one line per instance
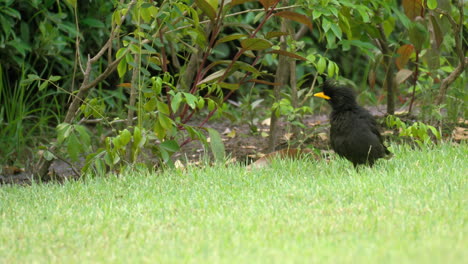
(281, 77)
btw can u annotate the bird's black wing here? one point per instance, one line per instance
(374, 129)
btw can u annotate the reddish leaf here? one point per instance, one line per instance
(403, 75)
(300, 18)
(255, 44)
(275, 34)
(413, 8)
(229, 86)
(230, 37)
(268, 3)
(239, 2)
(288, 54)
(126, 85)
(405, 52)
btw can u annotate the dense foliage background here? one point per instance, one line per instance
(118, 81)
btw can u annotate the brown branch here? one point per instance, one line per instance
(43, 165)
(457, 30)
(390, 69)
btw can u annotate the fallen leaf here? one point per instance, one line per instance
(231, 134)
(265, 161)
(266, 122)
(226, 131)
(323, 136)
(11, 170)
(460, 133)
(288, 136)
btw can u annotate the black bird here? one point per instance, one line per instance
(353, 133)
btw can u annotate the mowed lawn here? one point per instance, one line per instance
(410, 209)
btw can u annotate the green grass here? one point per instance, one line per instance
(410, 209)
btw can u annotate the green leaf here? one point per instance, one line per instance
(72, 3)
(207, 8)
(336, 30)
(191, 100)
(33, 77)
(63, 131)
(150, 106)
(316, 14)
(364, 46)
(49, 155)
(363, 12)
(331, 69)
(121, 52)
(229, 86)
(255, 44)
(247, 67)
(164, 121)
(321, 65)
(159, 130)
(92, 22)
(170, 146)
(175, 102)
(163, 108)
(122, 67)
(145, 14)
(54, 78)
(73, 147)
(231, 37)
(418, 35)
(288, 54)
(164, 154)
(275, 34)
(217, 145)
(43, 85)
(136, 135)
(405, 21)
(432, 4)
(344, 25)
(435, 132)
(84, 136)
(157, 85)
(201, 103)
(326, 25)
(125, 137)
(211, 104)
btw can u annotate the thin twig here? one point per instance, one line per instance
(235, 14)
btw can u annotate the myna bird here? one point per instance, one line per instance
(353, 133)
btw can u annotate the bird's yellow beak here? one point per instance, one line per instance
(322, 95)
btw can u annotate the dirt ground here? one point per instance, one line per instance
(241, 145)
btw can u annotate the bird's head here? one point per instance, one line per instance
(339, 97)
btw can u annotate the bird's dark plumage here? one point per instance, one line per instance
(353, 133)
